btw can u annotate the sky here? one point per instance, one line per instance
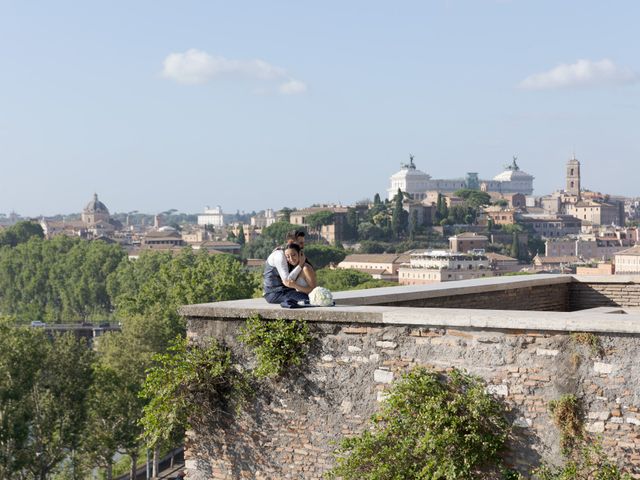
(157, 104)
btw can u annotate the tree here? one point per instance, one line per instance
(323, 255)
(376, 199)
(413, 225)
(515, 246)
(19, 233)
(240, 239)
(285, 213)
(398, 216)
(347, 279)
(318, 219)
(43, 391)
(473, 198)
(22, 353)
(442, 211)
(351, 224)
(188, 384)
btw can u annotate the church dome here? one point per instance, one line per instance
(96, 206)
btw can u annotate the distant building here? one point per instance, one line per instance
(597, 213)
(381, 266)
(95, 213)
(332, 233)
(627, 262)
(417, 183)
(564, 264)
(498, 215)
(162, 239)
(212, 216)
(586, 247)
(434, 266)
(467, 241)
(501, 264)
(263, 219)
(549, 226)
(573, 177)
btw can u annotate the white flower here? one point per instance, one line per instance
(321, 297)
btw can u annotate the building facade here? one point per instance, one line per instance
(434, 266)
(416, 183)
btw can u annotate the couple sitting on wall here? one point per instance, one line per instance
(288, 275)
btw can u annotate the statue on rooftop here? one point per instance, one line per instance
(514, 165)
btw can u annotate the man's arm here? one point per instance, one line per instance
(278, 260)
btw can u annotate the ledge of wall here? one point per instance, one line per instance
(363, 306)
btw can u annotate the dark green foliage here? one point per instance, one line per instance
(189, 384)
(431, 426)
(399, 216)
(240, 238)
(442, 212)
(350, 227)
(515, 247)
(369, 231)
(57, 280)
(277, 344)
(285, 213)
(318, 219)
(43, 386)
(369, 246)
(345, 279)
(19, 233)
(473, 198)
(322, 255)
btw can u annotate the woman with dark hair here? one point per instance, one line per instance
(306, 280)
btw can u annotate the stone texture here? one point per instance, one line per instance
(289, 429)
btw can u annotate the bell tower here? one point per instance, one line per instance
(573, 176)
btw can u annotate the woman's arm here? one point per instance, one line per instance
(309, 274)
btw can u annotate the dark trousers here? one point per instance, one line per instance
(284, 295)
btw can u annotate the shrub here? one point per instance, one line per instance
(431, 426)
(277, 344)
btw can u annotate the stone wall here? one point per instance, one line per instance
(553, 298)
(289, 428)
(587, 294)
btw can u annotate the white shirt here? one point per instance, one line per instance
(278, 260)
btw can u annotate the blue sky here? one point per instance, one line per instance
(163, 104)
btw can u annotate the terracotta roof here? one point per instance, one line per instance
(561, 259)
(499, 258)
(375, 258)
(465, 235)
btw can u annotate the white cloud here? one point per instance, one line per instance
(583, 73)
(195, 67)
(292, 87)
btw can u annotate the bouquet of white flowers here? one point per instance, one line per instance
(321, 297)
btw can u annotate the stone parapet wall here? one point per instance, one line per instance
(554, 298)
(290, 427)
(513, 332)
(584, 295)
